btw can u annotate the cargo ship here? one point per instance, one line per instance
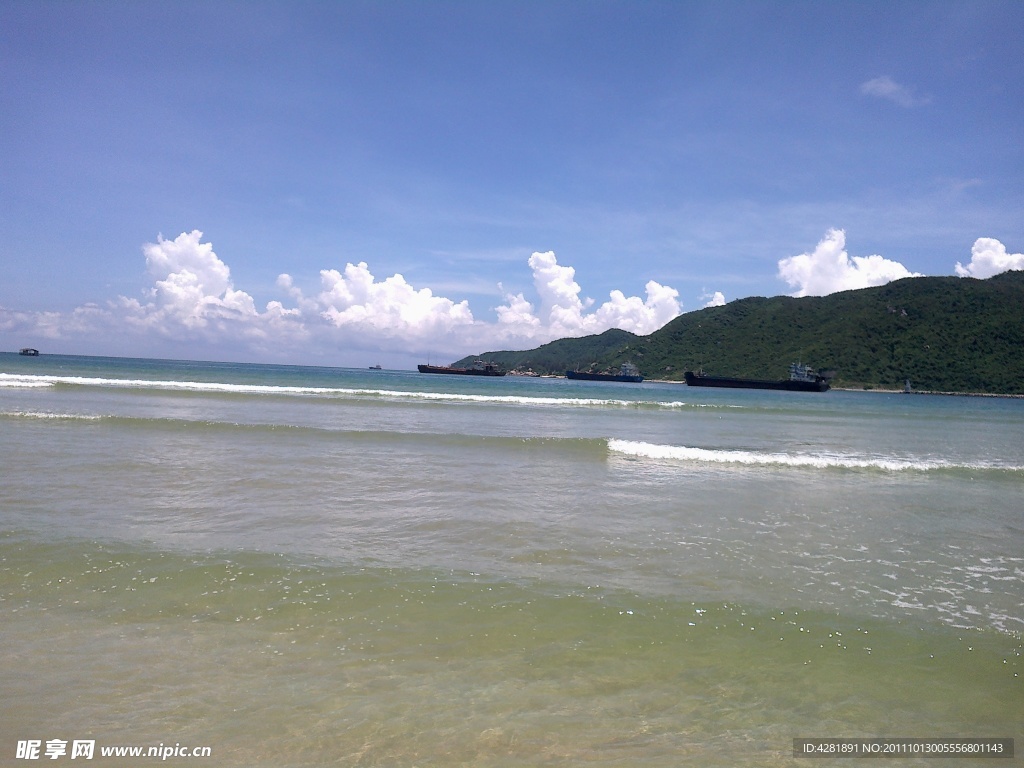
(802, 378)
(479, 368)
(628, 372)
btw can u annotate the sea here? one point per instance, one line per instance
(263, 565)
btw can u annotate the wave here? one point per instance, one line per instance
(595, 448)
(802, 460)
(221, 388)
(49, 416)
(14, 381)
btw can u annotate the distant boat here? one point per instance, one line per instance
(28, 352)
(375, 367)
(628, 372)
(479, 368)
(802, 378)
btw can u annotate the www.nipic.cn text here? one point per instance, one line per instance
(86, 749)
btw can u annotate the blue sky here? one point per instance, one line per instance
(383, 181)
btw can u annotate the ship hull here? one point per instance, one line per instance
(787, 385)
(460, 371)
(580, 376)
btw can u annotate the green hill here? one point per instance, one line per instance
(564, 354)
(947, 334)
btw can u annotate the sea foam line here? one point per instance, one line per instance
(14, 380)
(758, 458)
(48, 415)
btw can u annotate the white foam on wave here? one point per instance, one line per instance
(759, 458)
(14, 380)
(523, 399)
(47, 415)
(191, 386)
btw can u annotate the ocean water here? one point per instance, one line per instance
(308, 566)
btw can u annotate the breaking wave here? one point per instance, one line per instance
(812, 461)
(221, 388)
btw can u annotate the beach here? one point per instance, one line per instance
(297, 566)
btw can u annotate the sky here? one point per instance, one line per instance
(353, 183)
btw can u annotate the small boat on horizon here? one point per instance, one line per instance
(479, 368)
(28, 352)
(802, 378)
(375, 367)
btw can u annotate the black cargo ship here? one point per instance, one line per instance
(477, 369)
(628, 372)
(802, 378)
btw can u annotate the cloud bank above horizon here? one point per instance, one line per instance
(193, 300)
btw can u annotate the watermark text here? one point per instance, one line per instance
(87, 749)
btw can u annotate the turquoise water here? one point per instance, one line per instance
(309, 566)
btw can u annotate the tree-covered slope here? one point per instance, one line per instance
(943, 333)
(562, 355)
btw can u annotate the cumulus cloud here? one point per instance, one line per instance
(518, 315)
(988, 258)
(391, 308)
(191, 284)
(829, 269)
(561, 311)
(192, 298)
(885, 87)
(716, 299)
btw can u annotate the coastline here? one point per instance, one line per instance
(879, 390)
(929, 392)
(16, 356)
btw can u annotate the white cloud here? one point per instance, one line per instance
(988, 258)
(829, 269)
(186, 255)
(885, 87)
(192, 301)
(193, 297)
(391, 308)
(716, 299)
(45, 325)
(191, 287)
(518, 313)
(563, 314)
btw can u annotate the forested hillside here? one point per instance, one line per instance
(943, 333)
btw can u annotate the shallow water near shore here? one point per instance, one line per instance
(307, 566)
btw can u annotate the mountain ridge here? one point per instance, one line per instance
(948, 334)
